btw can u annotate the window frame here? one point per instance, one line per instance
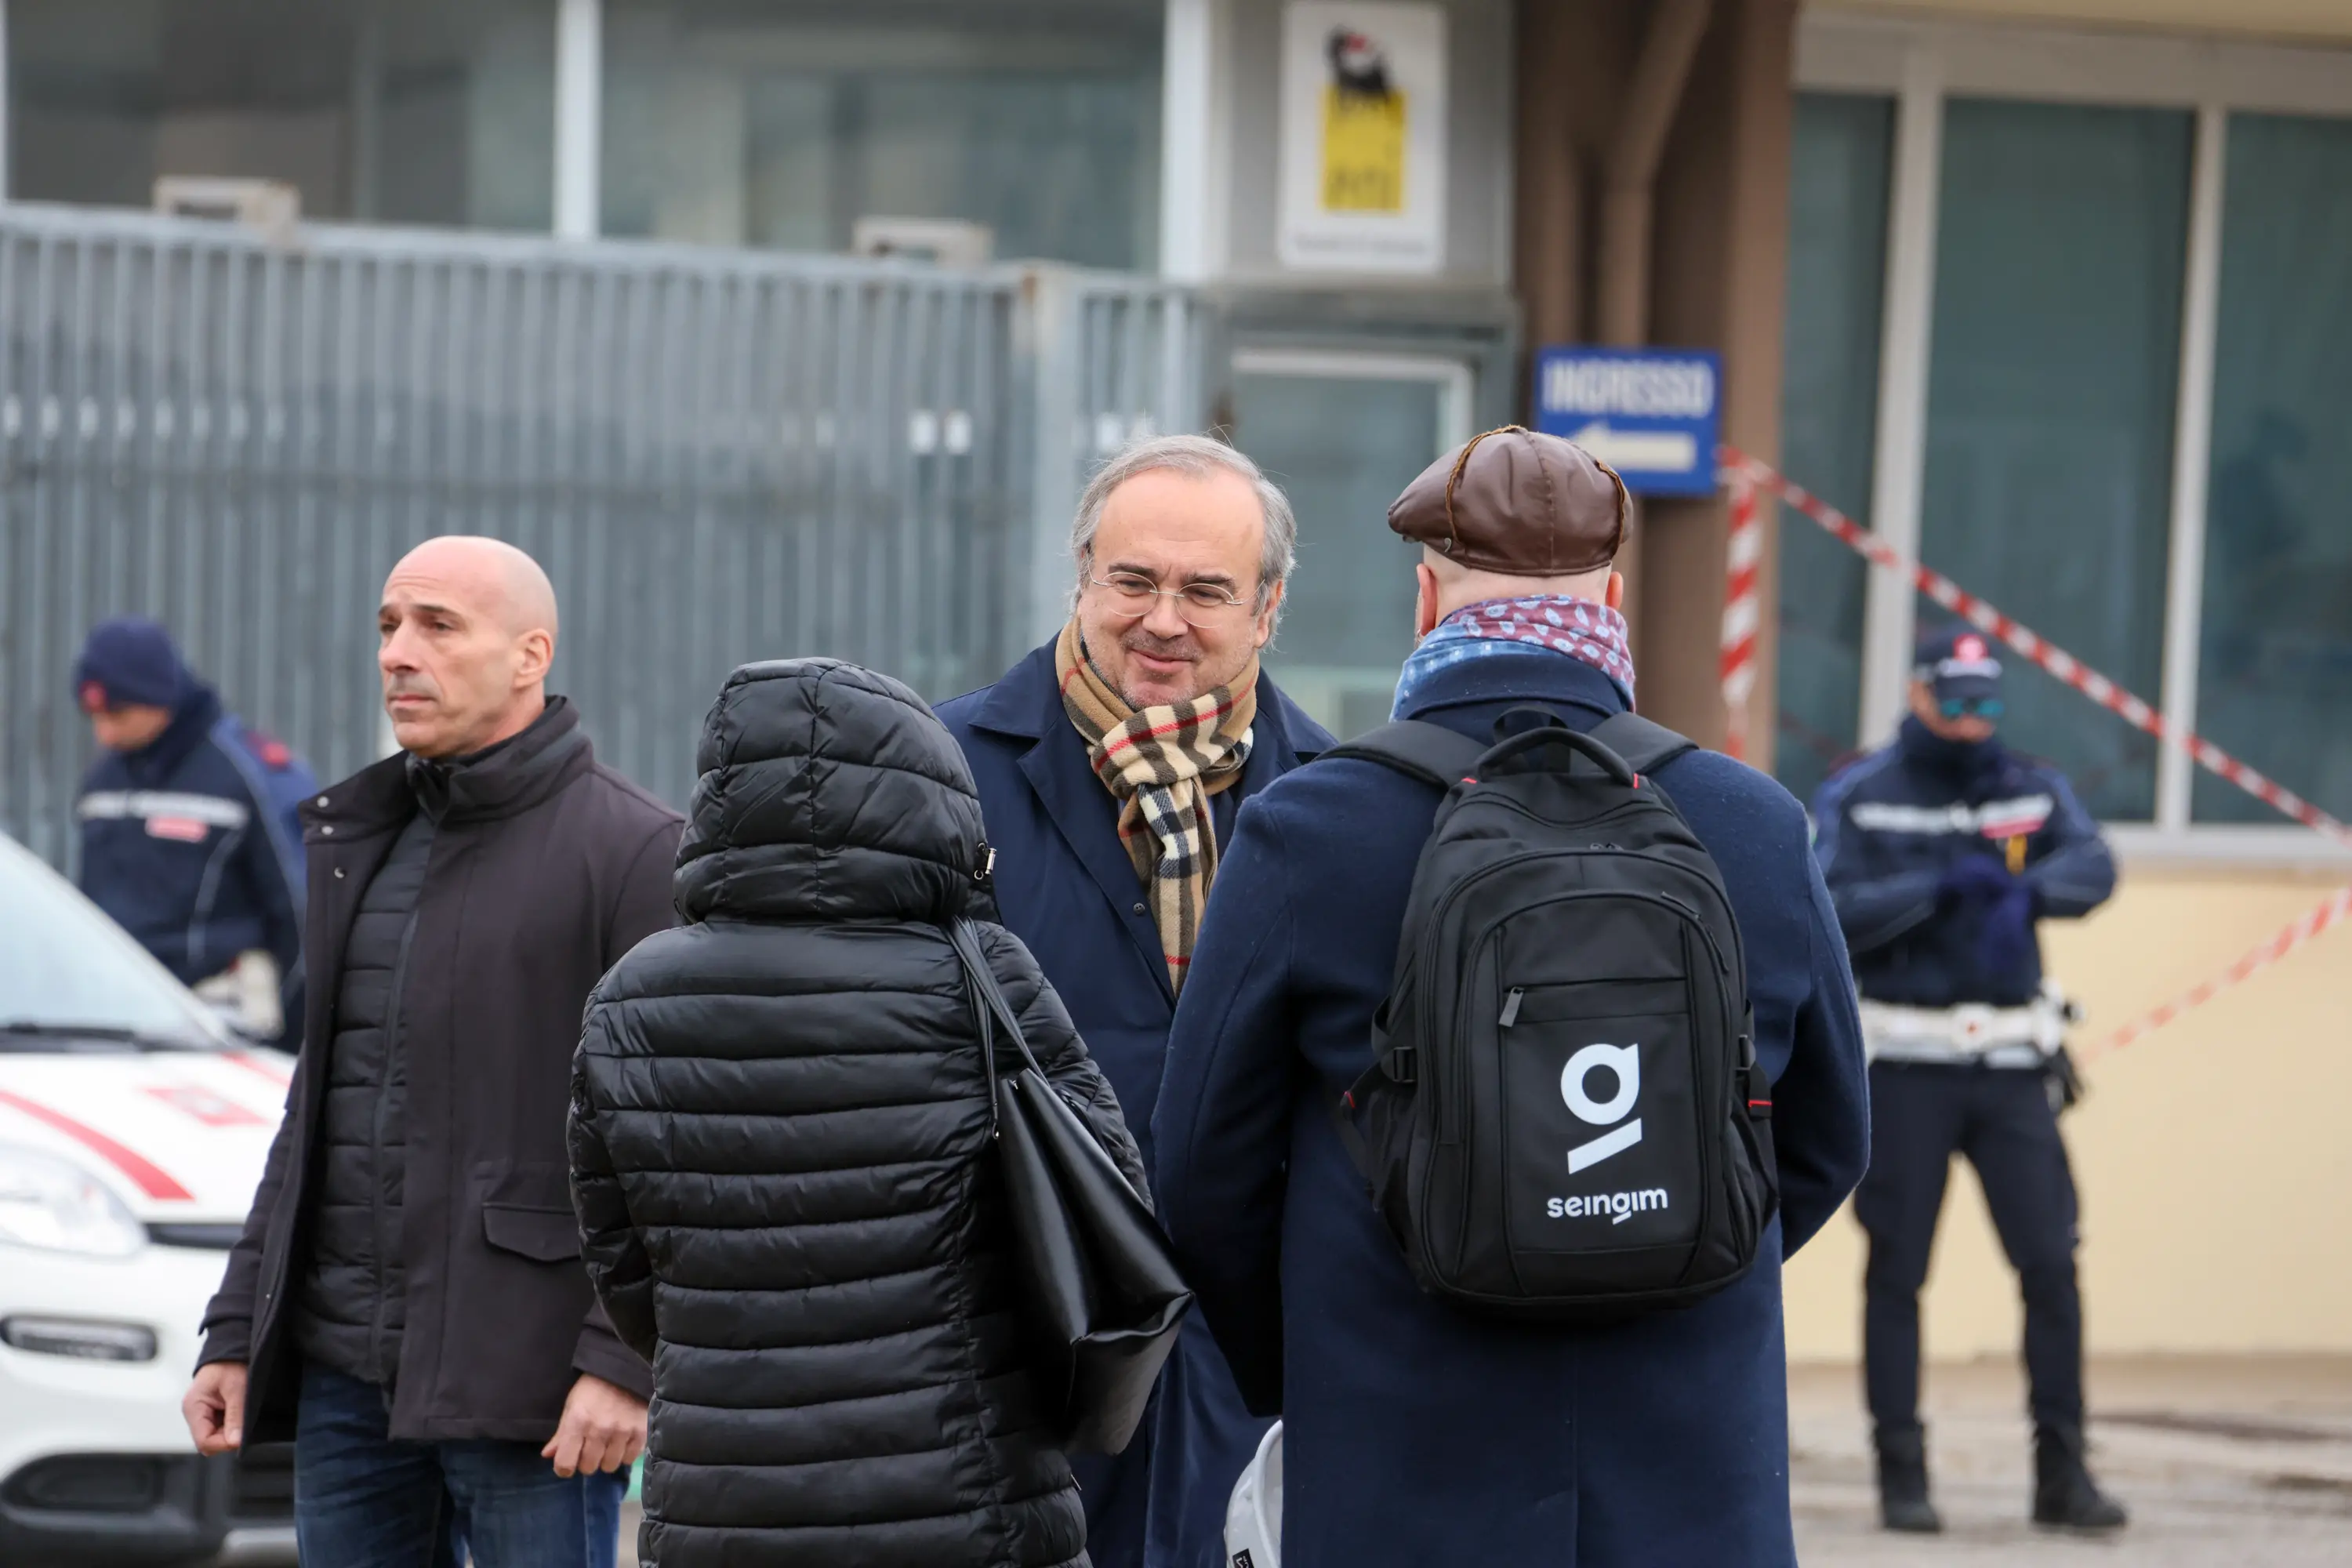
(1922, 63)
(1320, 688)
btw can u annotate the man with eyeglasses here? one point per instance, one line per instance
(1941, 852)
(1111, 763)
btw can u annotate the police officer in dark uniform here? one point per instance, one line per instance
(1941, 852)
(189, 837)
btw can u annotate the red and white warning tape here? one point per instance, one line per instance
(2251, 962)
(2106, 693)
(1746, 477)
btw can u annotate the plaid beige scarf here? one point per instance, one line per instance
(1162, 764)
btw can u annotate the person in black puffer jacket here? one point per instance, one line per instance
(780, 1154)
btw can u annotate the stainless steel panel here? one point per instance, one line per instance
(719, 456)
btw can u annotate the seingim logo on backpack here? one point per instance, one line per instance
(1564, 1119)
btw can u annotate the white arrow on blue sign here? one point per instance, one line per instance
(1652, 415)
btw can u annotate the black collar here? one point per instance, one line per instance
(500, 780)
(503, 778)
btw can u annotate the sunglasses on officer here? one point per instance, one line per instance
(1970, 707)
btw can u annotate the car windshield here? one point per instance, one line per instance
(72, 979)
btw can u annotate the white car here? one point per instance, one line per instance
(134, 1126)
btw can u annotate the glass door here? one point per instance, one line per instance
(1343, 432)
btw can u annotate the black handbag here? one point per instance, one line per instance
(1101, 1296)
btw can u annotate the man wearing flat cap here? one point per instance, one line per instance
(1414, 1434)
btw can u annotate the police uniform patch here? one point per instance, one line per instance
(275, 754)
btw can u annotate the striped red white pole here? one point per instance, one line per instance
(2098, 688)
(1742, 614)
(2254, 962)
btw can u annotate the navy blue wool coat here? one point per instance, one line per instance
(1065, 887)
(1414, 1435)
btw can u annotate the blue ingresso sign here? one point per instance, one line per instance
(1650, 414)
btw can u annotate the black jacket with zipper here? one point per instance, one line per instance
(780, 1153)
(352, 1300)
(546, 867)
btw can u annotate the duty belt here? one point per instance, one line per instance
(1997, 1036)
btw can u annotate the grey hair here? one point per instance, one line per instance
(1196, 457)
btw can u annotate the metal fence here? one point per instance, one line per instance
(718, 456)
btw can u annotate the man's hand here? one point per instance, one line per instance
(1976, 877)
(603, 1428)
(213, 1407)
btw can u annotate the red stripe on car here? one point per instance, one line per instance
(155, 1183)
(256, 1065)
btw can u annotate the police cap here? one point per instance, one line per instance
(1958, 663)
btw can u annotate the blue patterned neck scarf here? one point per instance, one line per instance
(1533, 626)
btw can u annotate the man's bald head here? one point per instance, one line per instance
(468, 627)
(496, 573)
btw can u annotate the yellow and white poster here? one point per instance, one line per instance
(1363, 137)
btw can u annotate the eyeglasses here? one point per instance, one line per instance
(1200, 603)
(1971, 707)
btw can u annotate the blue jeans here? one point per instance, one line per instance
(364, 1500)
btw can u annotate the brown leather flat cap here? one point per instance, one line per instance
(1518, 502)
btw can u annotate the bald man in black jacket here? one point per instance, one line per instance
(408, 1303)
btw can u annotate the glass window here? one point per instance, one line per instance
(65, 966)
(1828, 399)
(2274, 669)
(781, 122)
(422, 112)
(1342, 447)
(2059, 255)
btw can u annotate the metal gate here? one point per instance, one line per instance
(718, 456)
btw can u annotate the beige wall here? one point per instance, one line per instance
(2214, 1157)
(2244, 18)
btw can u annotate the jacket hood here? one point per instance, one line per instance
(826, 791)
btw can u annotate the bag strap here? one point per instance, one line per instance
(1430, 752)
(1343, 1117)
(1389, 1064)
(990, 1010)
(1441, 758)
(1646, 747)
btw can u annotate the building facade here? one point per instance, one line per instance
(2048, 292)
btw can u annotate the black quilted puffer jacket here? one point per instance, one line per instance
(780, 1149)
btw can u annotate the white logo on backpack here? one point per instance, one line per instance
(1626, 1062)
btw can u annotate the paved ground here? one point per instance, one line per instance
(2224, 1464)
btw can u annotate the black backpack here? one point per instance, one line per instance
(1564, 1121)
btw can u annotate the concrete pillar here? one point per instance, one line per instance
(579, 117)
(1721, 281)
(1717, 278)
(1551, 239)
